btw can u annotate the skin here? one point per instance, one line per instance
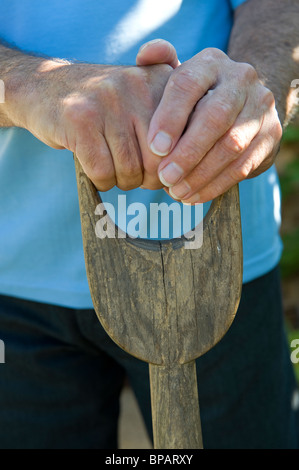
(217, 111)
(232, 129)
(102, 113)
(222, 122)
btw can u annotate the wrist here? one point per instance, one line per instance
(266, 78)
(25, 85)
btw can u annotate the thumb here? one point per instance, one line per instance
(157, 51)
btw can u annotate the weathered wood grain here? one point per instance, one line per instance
(164, 304)
(175, 408)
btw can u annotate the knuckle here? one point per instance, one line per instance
(212, 54)
(129, 178)
(266, 145)
(97, 170)
(104, 174)
(277, 131)
(268, 98)
(129, 167)
(248, 72)
(234, 142)
(104, 185)
(125, 151)
(219, 114)
(127, 185)
(108, 90)
(191, 152)
(241, 172)
(101, 173)
(184, 82)
(200, 176)
(130, 173)
(78, 110)
(267, 103)
(135, 78)
(165, 69)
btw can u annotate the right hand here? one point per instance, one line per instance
(101, 113)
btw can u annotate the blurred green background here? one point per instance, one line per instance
(288, 169)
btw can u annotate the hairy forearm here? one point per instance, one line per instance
(99, 112)
(20, 73)
(266, 35)
(16, 69)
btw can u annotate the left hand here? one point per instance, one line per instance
(215, 126)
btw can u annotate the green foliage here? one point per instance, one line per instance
(289, 180)
(290, 258)
(291, 134)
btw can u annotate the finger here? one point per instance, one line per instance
(261, 149)
(151, 181)
(96, 160)
(258, 117)
(150, 161)
(157, 51)
(188, 83)
(126, 155)
(228, 148)
(258, 120)
(141, 122)
(212, 118)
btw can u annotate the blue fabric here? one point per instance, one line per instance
(236, 3)
(41, 256)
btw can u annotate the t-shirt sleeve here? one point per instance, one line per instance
(236, 3)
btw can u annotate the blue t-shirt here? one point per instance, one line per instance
(41, 255)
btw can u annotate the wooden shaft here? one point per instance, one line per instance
(175, 407)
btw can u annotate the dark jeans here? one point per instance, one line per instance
(60, 385)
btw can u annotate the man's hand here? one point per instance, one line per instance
(215, 126)
(102, 113)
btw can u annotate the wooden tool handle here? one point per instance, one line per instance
(175, 408)
(180, 304)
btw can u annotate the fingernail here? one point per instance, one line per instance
(149, 43)
(170, 174)
(161, 144)
(195, 199)
(179, 191)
